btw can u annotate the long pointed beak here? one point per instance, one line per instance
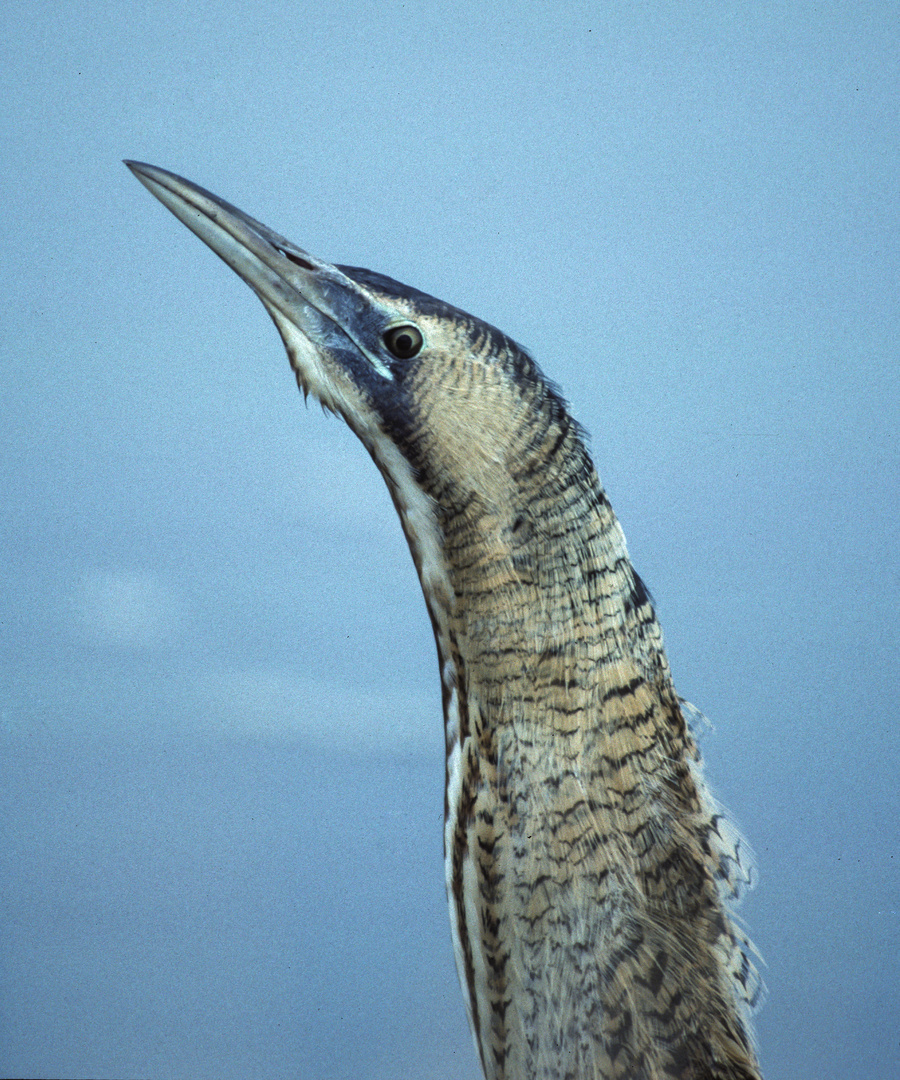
(301, 293)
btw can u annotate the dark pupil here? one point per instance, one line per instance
(404, 342)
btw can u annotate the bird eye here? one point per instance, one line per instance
(403, 341)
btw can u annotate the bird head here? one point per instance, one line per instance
(458, 418)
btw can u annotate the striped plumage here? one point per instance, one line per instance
(588, 872)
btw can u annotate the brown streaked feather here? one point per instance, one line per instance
(599, 866)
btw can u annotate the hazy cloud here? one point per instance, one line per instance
(125, 608)
(280, 704)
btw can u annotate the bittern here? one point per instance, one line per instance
(589, 874)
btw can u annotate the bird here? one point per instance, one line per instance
(590, 876)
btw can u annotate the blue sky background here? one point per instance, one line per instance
(220, 733)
